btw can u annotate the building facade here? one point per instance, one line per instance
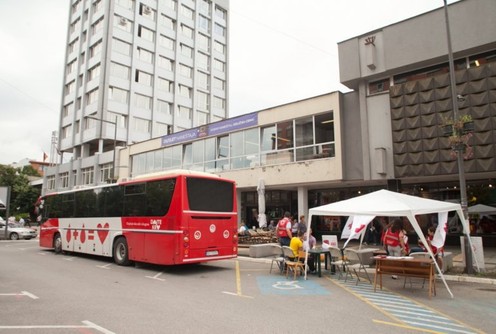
(137, 70)
(383, 134)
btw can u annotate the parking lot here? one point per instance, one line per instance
(41, 292)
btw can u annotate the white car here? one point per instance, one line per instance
(16, 232)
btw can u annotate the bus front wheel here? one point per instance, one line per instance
(121, 252)
(57, 243)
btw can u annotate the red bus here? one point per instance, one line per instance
(169, 218)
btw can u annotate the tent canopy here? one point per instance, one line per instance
(384, 203)
(482, 209)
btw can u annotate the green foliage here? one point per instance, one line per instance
(22, 194)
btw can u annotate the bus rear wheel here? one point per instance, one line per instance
(57, 243)
(121, 252)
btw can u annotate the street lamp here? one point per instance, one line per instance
(112, 175)
(458, 148)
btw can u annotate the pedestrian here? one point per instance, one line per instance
(302, 226)
(283, 230)
(394, 240)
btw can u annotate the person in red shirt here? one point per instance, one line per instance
(283, 230)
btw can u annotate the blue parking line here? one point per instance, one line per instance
(270, 285)
(405, 310)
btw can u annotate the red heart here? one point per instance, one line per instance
(102, 234)
(68, 234)
(82, 236)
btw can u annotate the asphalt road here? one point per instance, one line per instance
(41, 292)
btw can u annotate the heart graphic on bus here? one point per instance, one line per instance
(68, 234)
(102, 232)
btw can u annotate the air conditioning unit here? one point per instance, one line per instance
(147, 10)
(123, 21)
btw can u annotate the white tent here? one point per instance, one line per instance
(392, 204)
(482, 209)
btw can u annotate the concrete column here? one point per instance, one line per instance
(303, 201)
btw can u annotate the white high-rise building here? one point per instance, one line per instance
(136, 70)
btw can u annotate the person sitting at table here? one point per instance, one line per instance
(310, 243)
(438, 252)
(296, 244)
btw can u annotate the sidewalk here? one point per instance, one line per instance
(454, 274)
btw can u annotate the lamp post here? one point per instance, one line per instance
(115, 141)
(458, 148)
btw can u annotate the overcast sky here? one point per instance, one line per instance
(280, 51)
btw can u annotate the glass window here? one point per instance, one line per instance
(118, 95)
(268, 138)
(219, 47)
(120, 71)
(219, 30)
(185, 71)
(164, 107)
(304, 131)
(145, 33)
(202, 80)
(143, 78)
(143, 101)
(210, 149)
(187, 31)
(165, 63)
(201, 100)
(202, 61)
(324, 128)
(168, 22)
(251, 141)
(184, 112)
(187, 155)
(164, 85)
(186, 51)
(166, 42)
(204, 23)
(121, 47)
(187, 12)
(219, 84)
(145, 55)
(284, 135)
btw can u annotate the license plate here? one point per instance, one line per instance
(212, 253)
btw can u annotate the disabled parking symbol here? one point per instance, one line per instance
(270, 285)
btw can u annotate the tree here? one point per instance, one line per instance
(22, 194)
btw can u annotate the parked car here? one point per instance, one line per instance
(16, 232)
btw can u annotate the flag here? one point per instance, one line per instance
(442, 228)
(45, 156)
(358, 227)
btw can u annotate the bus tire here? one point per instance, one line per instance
(121, 252)
(57, 243)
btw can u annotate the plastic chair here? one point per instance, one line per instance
(277, 258)
(337, 260)
(293, 263)
(354, 262)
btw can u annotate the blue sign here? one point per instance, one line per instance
(218, 128)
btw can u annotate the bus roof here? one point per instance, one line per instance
(144, 177)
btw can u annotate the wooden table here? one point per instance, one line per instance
(406, 267)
